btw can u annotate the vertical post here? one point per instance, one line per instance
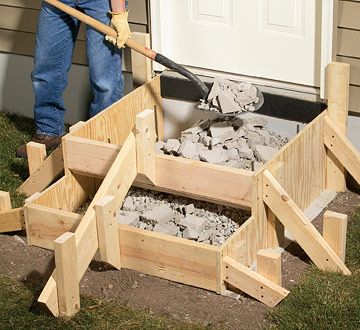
(145, 144)
(141, 65)
(338, 108)
(334, 232)
(275, 229)
(66, 275)
(108, 233)
(5, 202)
(269, 265)
(36, 154)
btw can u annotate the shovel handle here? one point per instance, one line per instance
(101, 27)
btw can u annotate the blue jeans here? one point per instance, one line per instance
(55, 41)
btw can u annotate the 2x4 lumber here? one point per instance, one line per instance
(340, 146)
(168, 257)
(36, 154)
(66, 275)
(108, 234)
(45, 174)
(300, 227)
(5, 201)
(334, 232)
(269, 265)
(12, 220)
(203, 181)
(338, 108)
(252, 283)
(45, 224)
(145, 144)
(89, 157)
(141, 65)
(117, 183)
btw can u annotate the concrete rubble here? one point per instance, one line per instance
(229, 97)
(177, 216)
(233, 142)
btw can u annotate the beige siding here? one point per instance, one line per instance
(349, 46)
(18, 21)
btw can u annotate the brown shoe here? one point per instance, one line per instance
(51, 142)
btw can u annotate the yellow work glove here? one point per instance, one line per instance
(119, 22)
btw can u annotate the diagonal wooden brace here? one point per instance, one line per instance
(252, 283)
(337, 142)
(300, 227)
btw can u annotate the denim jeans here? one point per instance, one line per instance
(55, 41)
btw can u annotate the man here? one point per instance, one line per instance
(55, 41)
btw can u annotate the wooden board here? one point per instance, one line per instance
(44, 225)
(169, 257)
(12, 220)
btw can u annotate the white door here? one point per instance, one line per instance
(272, 39)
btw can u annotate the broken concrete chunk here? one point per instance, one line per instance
(191, 234)
(228, 104)
(189, 209)
(128, 218)
(198, 127)
(221, 129)
(190, 137)
(172, 146)
(128, 204)
(243, 99)
(188, 149)
(246, 152)
(264, 153)
(159, 214)
(167, 229)
(254, 138)
(205, 140)
(194, 222)
(215, 156)
(233, 154)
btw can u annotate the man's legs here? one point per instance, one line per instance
(55, 42)
(105, 60)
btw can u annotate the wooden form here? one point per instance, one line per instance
(10, 219)
(106, 155)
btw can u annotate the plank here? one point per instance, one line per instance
(337, 142)
(169, 257)
(141, 65)
(108, 234)
(145, 144)
(203, 181)
(338, 108)
(66, 275)
(45, 224)
(89, 157)
(12, 220)
(252, 283)
(5, 201)
(36, 154)
(49, 170)
(300, 227)
(334, 232)
(117, 183)
(269, 265)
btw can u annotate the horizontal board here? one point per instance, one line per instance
(348, 44)
(349, 14)
(137, 8)
(355, 68)
(23, 43)
(354, 99)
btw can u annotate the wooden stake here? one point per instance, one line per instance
(66, 275)
(334, 232)
(108, 232)
(269, 265)
(145, 144)
(5, 201)
(338, 108)
(252, 283)
(141, 65)
(36, 155)
(300, 227)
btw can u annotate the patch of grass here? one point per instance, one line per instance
(325, 300)
(14, 131)
(17, 311)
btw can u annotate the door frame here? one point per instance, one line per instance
(159, 17)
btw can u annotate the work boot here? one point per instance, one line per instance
(51, 142)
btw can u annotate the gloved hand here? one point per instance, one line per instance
(119, 22)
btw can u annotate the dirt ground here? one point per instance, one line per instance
(33, 266)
